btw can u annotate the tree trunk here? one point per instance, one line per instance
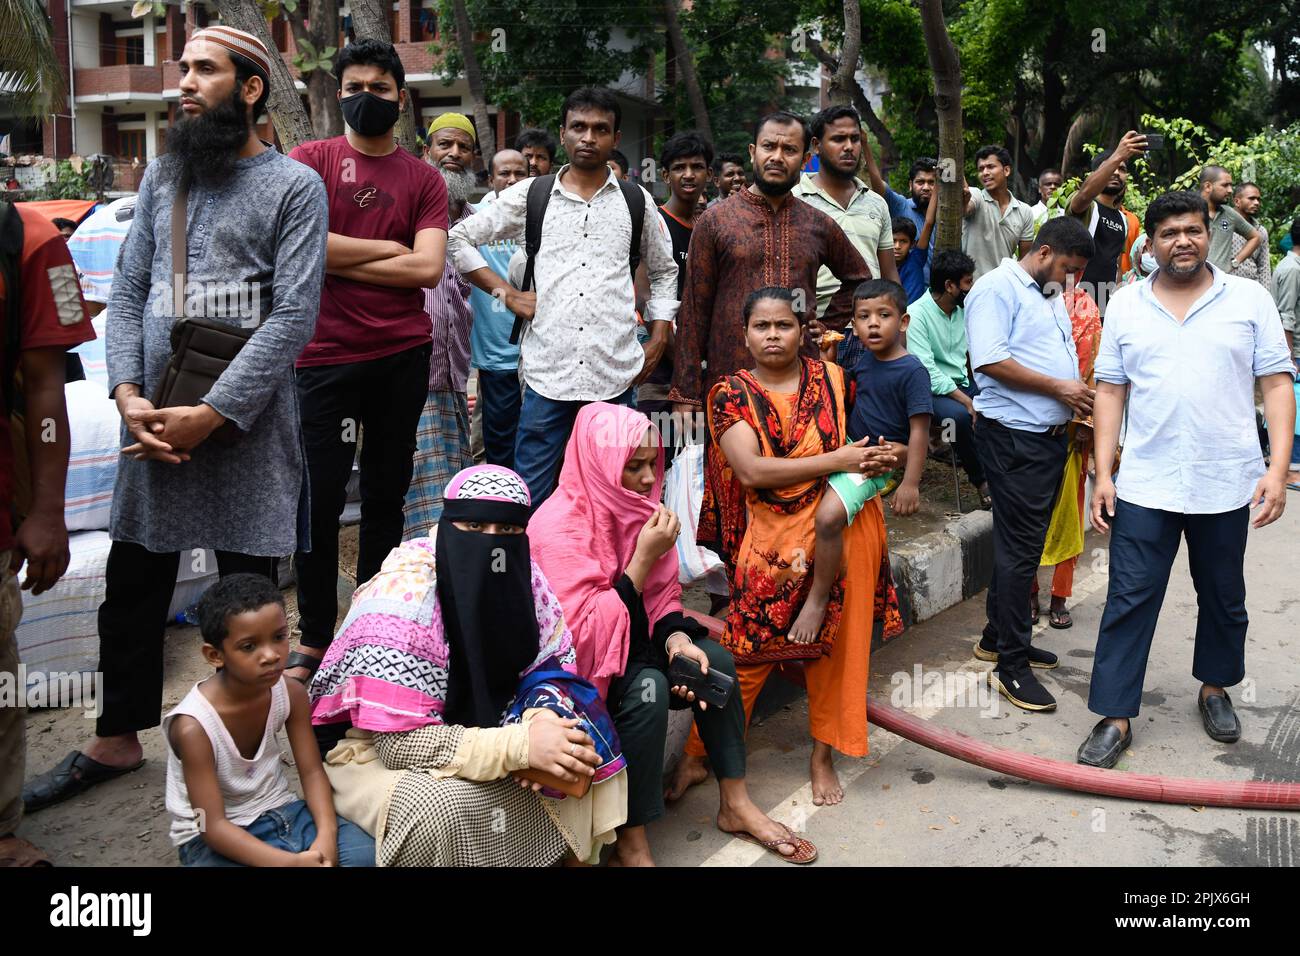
(888, 149)
(322, 88)
(844, 79)
(487, 136)
(284, 104)
(946, 70)
(686, 61)
(370, 20)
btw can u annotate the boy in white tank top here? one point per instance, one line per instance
(226, 789)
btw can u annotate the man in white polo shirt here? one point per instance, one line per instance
(1187, 345)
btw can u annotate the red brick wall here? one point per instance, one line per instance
(119, 79)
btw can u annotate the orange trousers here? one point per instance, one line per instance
(837, 683)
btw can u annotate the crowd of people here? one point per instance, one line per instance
(499, 689)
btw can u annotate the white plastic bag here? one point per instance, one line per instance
(683, 491)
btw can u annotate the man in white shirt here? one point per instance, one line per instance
(1188, 346)
(580, 340)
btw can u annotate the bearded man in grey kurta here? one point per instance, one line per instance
(265, 231)
(255, 235)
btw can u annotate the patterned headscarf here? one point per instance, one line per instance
(394, 664)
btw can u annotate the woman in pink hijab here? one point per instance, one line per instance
(607, 546)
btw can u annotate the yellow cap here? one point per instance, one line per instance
(453, 121)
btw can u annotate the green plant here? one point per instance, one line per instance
(67, 183)
(308, 58)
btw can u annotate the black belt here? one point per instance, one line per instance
(1053, 431)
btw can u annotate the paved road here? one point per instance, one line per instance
(908, 805)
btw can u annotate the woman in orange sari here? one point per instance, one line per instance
(1085, 319)
(778, 431)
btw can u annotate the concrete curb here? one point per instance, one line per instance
(938, 570)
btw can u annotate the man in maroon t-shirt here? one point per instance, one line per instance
(367, 367)
(53, 319)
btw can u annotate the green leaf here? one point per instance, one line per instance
(290, 5)
(329, 51)
(308, 49)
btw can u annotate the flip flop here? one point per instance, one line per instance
(804, 852)
(15, 851)
(1060, 620)
(299, 659)
(74, 775)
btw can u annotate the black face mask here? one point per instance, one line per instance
(368, 114)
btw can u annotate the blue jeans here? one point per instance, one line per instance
(544, 427)
(292, 829)
(498, 394)
(1143, 545)
(964, 431)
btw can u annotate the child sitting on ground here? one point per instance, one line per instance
(226, 789)
(892, 407)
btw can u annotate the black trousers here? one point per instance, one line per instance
(383, 399)
(1143, 544)
(639, 704)
(1024, 472)
(131, 622)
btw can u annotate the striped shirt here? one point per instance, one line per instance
(448, 306)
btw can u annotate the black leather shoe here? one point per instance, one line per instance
(1023, 690)
(1105, 745)
(1220, 719)
(75, 774)
(1044, 660)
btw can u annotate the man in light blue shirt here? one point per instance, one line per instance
(1022, 353)
(1187, 347)
(490, 350)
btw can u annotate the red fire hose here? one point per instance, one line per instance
(1243, 794)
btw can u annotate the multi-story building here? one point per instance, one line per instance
(123, 80)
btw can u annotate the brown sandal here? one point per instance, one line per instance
(15, 851)
(804, 852)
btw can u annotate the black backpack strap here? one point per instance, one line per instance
(634, 195)
(11, 257)
(539, 196)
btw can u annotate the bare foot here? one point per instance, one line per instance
(632, 848)
(825, 781)
(747, 817)
(123, 750)
(689, 771)
(808, 624)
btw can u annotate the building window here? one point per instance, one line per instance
(133, 50)
(130, 144)
(424, 22)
